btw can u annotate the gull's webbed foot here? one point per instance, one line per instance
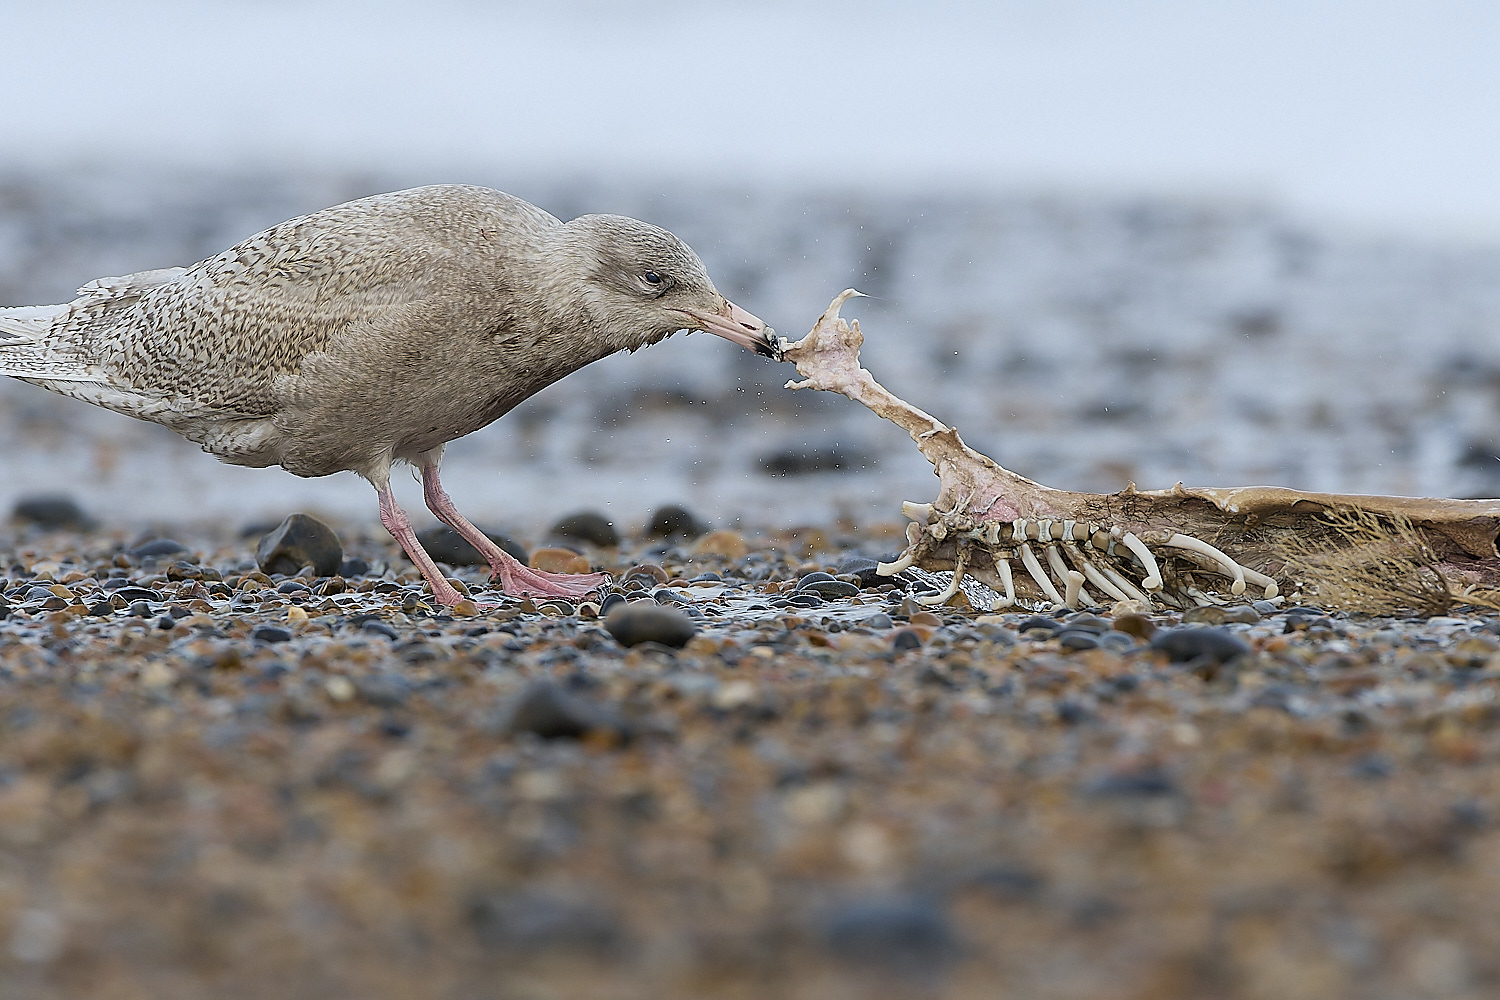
(519, 580)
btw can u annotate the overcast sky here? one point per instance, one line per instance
(1382, 114)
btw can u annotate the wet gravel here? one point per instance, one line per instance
(215, 781)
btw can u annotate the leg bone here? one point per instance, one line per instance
(1002, 567)
(952, 588)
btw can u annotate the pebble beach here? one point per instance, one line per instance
(754, 769)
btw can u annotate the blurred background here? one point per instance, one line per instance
(1226, 243)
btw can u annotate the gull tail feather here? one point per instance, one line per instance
(26, 353)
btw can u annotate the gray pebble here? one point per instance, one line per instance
(50, 511)
(673, 521)
(447, 546)
(1077, 639)
(831, 590)
(300, 540)
(546, 710)
(157, 548)
(587, 526)
(903, 934)
(1191, 643)
(636, 622)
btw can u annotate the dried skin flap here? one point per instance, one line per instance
(1181, 547)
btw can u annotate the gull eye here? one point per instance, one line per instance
(652, 278)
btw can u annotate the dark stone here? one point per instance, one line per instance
(448, 546)
(547, 710)
(1009, 883)
(902, 934)
(816, 577)
(802, 599)
(1049, 625)
(611, 601)
(383, 690)
(300, 540)
(864, 568)
(1277, 696)
(53, 511)
(879, 620)
(1300, 620)
(271, 634)
(673, 521)
(157, 548)
(532, 923)
(811, 458)
(1086, 623)
(906, 639)
(293, 587)
(1071, 713)
(1214, 645)
(636, 622)
(353, 567)
(587, 526)
(831, 590)
(140, 609)
(1371, 767)
(1077, 639)
(166, 623)
(1117, 642)
(1146, 783)
(377, 627)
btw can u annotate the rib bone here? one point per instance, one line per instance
(1074, 591)
(1123, 584)
(1262, 581)
(1098, 579)
(1231, 568)
(1148, 561)
(1028, 559)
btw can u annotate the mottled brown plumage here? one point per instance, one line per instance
(373, 332)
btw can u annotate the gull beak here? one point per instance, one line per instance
(738, 327)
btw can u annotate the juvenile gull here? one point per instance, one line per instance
(375, 332)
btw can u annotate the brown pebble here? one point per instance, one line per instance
(726, 543)
(1137, 625)
(465, 609)
(926, 618)
(558, 561)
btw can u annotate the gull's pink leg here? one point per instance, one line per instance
(396, 522)
(515, 578)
